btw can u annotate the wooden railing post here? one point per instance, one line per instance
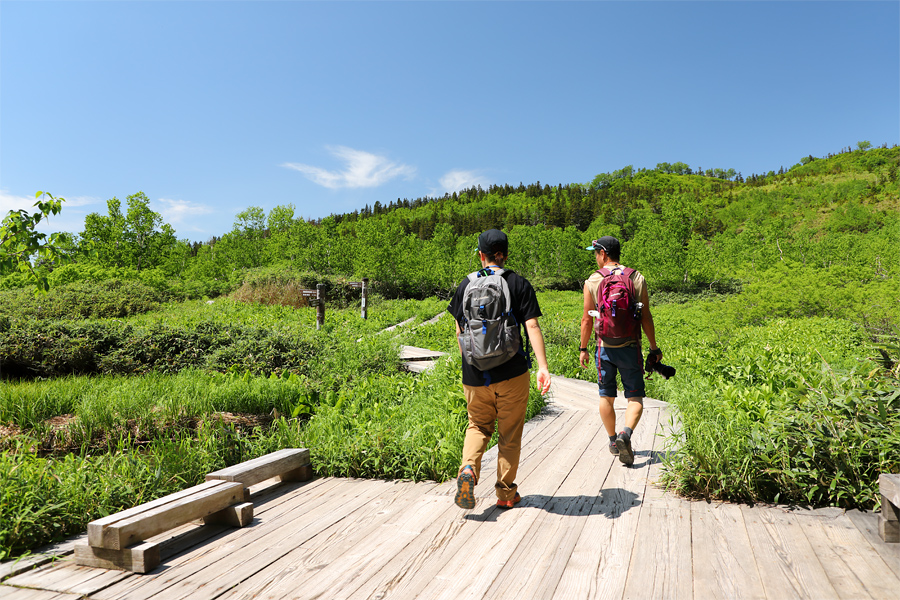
(320, 307)
(365, 293)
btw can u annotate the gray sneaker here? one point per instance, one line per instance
(623, 444)
(612, 449)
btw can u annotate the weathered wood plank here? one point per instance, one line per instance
(14, 593)
(66, 577)
(661, 562)
(867, 525)
(413, 353)
(889, 522)
(341, 558)
(889, 488)
(419, 366)
(723, 558)
(97, 529)
(495, 543)
(888, 529)
(265, 467)
(853, 567)
(415, 566)
(538, 562)
(140, 558)
(207, 498)
(400, 324)
(598, 565)
(47, 554)
(787, 564)
(236, 515)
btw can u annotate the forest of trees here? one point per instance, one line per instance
(686, 229)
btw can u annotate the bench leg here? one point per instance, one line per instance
(140, 558)
(236, 515)
(889, 521)
(304, 473)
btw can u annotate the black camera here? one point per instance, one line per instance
(665, 370)
(653, 364)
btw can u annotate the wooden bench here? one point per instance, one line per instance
(117, 541)
(889, 520)
(289, 464)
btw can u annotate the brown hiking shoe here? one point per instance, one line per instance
(465, 488)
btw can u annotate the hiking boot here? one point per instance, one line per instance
(509, 503)
(465, 488)
(612, 449)
(623, 445)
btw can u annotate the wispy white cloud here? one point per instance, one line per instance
(178, 212)
(13, 202)
(68, 220)
(10, 202)
(457, 179)
(362, 170)
(85, 201)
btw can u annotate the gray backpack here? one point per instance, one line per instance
(490, 334)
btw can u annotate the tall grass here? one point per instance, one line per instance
(116, 406)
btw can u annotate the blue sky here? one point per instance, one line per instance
(212, 107)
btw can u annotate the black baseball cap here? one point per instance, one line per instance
(607, 243)
(493, 240)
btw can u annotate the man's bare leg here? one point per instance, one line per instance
(608, 414)
(633, 412)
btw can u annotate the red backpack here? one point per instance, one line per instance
(618, 306)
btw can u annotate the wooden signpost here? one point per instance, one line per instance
(364, 285)
(316, 298)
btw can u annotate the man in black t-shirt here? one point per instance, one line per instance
(499, 395)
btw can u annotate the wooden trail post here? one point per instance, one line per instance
(364, 286)
(364, 312)
(316, 298)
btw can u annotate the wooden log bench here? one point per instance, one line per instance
(289, 464)
(889, 520)
(118, 541)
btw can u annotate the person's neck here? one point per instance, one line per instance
(610, 263)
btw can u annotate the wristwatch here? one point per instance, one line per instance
(582, 349)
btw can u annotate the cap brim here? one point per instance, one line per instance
(589, 248)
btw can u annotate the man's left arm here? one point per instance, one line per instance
(536, 337)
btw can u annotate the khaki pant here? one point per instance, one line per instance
(504, 402)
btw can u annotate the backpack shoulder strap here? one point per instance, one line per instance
(604, 272)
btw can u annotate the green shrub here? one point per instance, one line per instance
(789, 412)
(114, 298)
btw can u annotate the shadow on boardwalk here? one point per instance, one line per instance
(587, 527)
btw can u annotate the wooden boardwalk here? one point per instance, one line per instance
(587, 527)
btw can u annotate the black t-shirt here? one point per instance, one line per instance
(524, 307)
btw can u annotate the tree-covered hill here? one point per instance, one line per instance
(687, 230)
